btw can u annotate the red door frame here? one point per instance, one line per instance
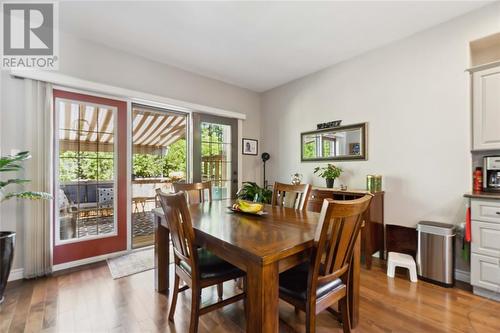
(63, 253)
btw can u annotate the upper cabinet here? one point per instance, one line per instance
(486, 109)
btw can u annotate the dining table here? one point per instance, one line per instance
(261, 245)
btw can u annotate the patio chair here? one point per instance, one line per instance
(67, 216)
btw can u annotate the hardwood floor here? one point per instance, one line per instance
(89, 300)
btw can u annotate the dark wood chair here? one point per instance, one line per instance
(197, 267)
(291, 196)
(195, 192)
(323, 280)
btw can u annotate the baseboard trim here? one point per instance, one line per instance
(461, 275)
(487, 293)
(86, 261)
(16, 274)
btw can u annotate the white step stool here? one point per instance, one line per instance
(396, 259)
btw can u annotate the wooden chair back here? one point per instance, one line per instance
(181, 229)
(195, 192)
(336, 233)
(291, 196)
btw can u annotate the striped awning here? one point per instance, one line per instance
(88, 127)
(156, 129)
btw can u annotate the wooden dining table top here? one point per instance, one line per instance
(265, 238)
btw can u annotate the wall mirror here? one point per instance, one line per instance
(338, 143)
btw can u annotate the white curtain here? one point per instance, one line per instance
(37, 230)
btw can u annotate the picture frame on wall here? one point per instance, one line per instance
(250, 147)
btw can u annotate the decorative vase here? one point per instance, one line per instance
(296, 179)
(7, 242)
(329, 182)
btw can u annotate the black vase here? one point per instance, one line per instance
(329, 183)
(7, 242)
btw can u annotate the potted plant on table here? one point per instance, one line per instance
(7, 238)
(329, 173)
(252, 192)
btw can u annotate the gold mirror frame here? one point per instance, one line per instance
(362, 149)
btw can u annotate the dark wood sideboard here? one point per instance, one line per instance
(372, 235)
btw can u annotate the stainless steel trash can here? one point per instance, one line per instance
(436, 252)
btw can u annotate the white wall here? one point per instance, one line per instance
(90, 61)
(414, 94)
(94, 62)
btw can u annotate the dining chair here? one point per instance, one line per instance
(195, 192)
(197, 267)
(323, 280)
(291, 196)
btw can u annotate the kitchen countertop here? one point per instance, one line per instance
(483, 195)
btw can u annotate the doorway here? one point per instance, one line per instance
(159, 158)
(90, 176)
(215, 154)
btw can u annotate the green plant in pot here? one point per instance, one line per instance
(329, 173)
(7, 238)
(252, 192)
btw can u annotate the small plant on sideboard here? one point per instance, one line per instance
(329, 173)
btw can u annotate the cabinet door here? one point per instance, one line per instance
(486, 109)
(486, 238)
(485, 210)
(485, 272)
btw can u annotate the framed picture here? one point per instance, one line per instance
(250, 147)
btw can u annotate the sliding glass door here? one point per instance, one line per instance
(90, 215)
(215, 153)
(159, 155)
(91, 172)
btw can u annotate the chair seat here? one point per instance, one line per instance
(293, 283)
(212, 267)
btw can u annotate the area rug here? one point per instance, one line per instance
(132, 263)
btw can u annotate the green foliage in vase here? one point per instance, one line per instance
(329, 172)
(252, 192)
(11, 163)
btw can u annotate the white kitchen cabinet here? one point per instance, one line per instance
(485, 271)
(485, 247)
(485, 210)
(486, 109)
(487, 238)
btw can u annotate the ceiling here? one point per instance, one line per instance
(255, 45)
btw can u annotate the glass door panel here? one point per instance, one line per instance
(216, 158)
(215, 154)
(86, 170)
(91, 188)
(159, 151)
